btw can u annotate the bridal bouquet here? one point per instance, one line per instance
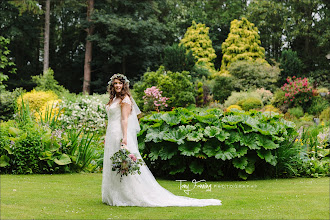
(124, 162)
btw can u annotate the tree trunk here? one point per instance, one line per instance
(46, 42)
(88, 50)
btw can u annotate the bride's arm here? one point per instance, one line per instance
(125, 110)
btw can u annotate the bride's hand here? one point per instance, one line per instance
(124, 141)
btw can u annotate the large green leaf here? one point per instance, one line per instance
(155, 135)
(14, 131)
(63, 160)
(175, 135)
(179, 169)
(211, 147)
(240, 163)
(228, 154)
(46, 155)
(266, 129)
(243, 175)
(241, 150)
(222, 136)
(211, 131)
(189, 148)
(233, 137)
(168, 151)
(195, 136)
(265, 142)
(268, 156)
(156, 117)
(208, 119)
(249, 140)
(232, 119)
(196, 167)
(171, 118)
(4, 161)
(250, 166)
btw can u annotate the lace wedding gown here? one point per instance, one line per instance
(134, 190)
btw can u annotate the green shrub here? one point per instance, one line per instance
(222, 88)
(250, 103)
(200, 94)
(278, 100)
(253, 75)
(236, 97)
(325, 114)
(321, 78)
(297, 112)
(192, 143)
(46, 82)
(290, 65)
(318, 105)
(233, 107)
(175, 85)
(8, 103)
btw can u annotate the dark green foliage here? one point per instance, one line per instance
(175, 85)
(297, 112)
(177, 59)
(200, 94)
(185, 143)
(321, 78)
(223, 86)
(8, 103)
(290, 65)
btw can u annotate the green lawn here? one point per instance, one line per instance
(78, 196)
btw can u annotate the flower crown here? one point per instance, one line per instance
(115, 76)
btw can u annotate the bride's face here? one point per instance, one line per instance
(118, 85)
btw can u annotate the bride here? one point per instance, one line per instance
(123, 126)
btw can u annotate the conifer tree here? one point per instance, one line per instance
(198, 41)
(243, 43)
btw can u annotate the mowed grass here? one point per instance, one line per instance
(78, 196)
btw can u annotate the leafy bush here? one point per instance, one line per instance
(297, 112)
(208, 143)
(266, 95)
(325, 114)
(253, 75)
(30, 147)
(236, 97)
(318, 105)
(36, 99)
(8, 103)
(176, 86)
(84, 111)
(279, 99)
(250, 103)
(46, 82)
(321, 78)
(222, 88)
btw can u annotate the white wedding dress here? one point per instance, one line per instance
(135, 190)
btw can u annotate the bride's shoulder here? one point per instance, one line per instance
(127, 100)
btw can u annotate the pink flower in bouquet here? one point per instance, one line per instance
(133, 157)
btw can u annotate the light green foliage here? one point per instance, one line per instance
(46, 81)
(27, 5)
(297, 112)
(250, 103)
(8, 103)
(243, 43)
(5, 62)
(185, 142)
(325, 114)
(198, 41)
(236, 97)
(254, 74)
(317, 105)
(175, 85)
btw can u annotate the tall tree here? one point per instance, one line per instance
(198, 41)
(46, 36)
(243, 43)
(88, 49)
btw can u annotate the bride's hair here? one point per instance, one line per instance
(125, 90)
